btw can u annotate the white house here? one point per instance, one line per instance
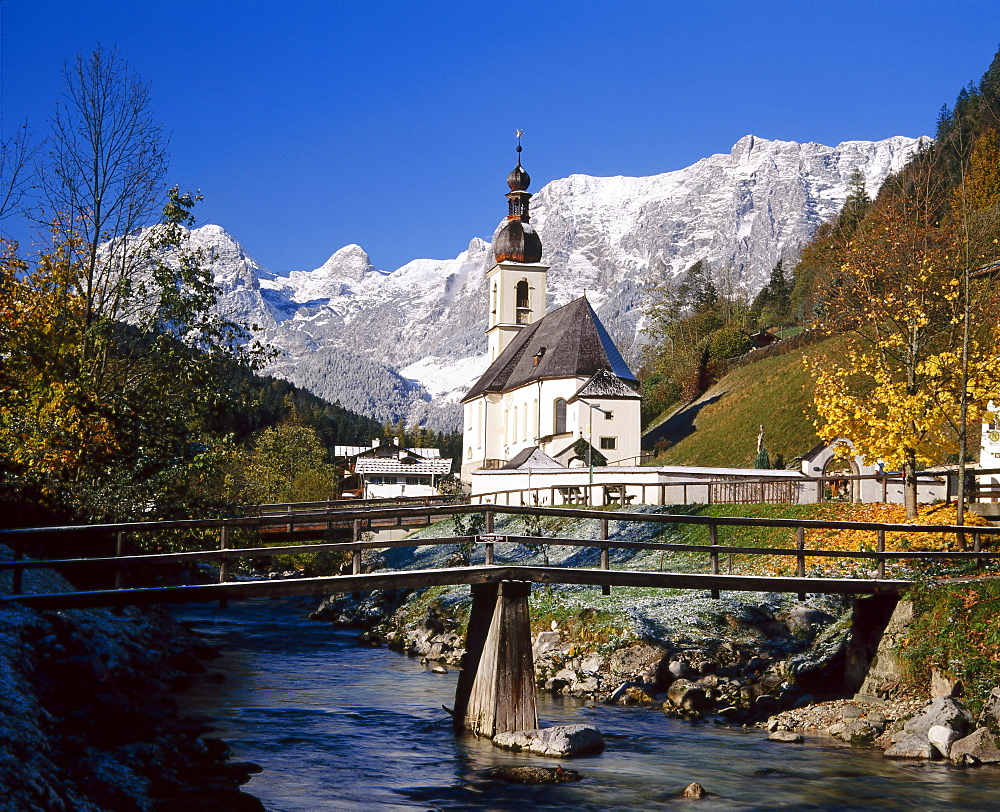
(553, 379)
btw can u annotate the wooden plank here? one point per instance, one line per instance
(414, 579)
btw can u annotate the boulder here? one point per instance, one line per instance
(860, 731)
(806, 620)
(689, 695)
(546, 642)
(990, 714)
(942, 738)
(913, 745)
(532, 775)
(785, 736)
(693, 790)
(561, 741)
(943, 685)
(981, 744)
(943, 711)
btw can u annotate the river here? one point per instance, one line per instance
(337, 726)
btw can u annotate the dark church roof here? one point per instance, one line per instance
(572, 343)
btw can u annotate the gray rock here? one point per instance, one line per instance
(546, 642)
(913, 745)
(679, 669)
(942, 711)
(860, 731)
(785, 736)
(943, 685)
(693, 790)
(804, 620)
(525, 774)
(689, 695)
(990, 714)
(942, 738)
(981, 744)
(561, 741)
(851, 712)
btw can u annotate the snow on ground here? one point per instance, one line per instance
(445, 378)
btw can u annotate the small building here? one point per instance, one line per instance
(389, 471)
(388, 478)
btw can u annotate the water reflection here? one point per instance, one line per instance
(342, 727)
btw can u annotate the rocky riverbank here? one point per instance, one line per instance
(89, 722)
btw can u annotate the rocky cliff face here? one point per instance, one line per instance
(409, 343)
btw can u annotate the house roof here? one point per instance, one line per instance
(386, 465)
(531, 457)
(572, 342)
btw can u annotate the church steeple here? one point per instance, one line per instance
(517, 280)
(516, 240)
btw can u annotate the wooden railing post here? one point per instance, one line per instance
(976, 547)
(880, 547)
(17, 574)
(800, 560)
(119, 549)
(224, 564)
(605, 558)
(713, 540)
(488, 515)
(356, 554)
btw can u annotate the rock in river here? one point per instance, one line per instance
(560, 741)
(533, 775)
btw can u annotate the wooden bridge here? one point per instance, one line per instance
(495, 690)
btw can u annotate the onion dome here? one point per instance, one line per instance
(517, 241)
(518, 180)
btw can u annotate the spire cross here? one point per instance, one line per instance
(518, 134)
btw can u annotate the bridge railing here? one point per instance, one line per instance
(315, 524)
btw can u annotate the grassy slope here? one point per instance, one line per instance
(775, 391)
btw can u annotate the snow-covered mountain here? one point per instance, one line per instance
(409, 343)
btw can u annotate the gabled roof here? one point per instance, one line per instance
(531, 457)
(573, 343)
(392, 466)
(605, 385)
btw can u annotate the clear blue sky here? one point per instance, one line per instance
(312, 124)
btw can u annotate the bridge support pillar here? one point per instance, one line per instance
(496, 689)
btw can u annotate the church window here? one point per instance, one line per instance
(521, 292)
(560, 417)
(513, 427)
(609, 415)
(609, 443)
(493, 299)
(524, 423)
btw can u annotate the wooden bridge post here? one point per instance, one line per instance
(713, 540)
(484, 603)
(977, 547)
(502, 697)
(800, 560)
(605, 558)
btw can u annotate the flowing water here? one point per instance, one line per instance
(337, 726)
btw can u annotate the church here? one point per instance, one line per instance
(553, 378)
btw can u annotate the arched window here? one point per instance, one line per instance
(513, 427)
(524, 423)
(560, 417)
(521, 293)
(493, 299)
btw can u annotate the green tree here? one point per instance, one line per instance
(286, 463)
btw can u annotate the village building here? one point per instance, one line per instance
(389, 471)
(553, 379)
